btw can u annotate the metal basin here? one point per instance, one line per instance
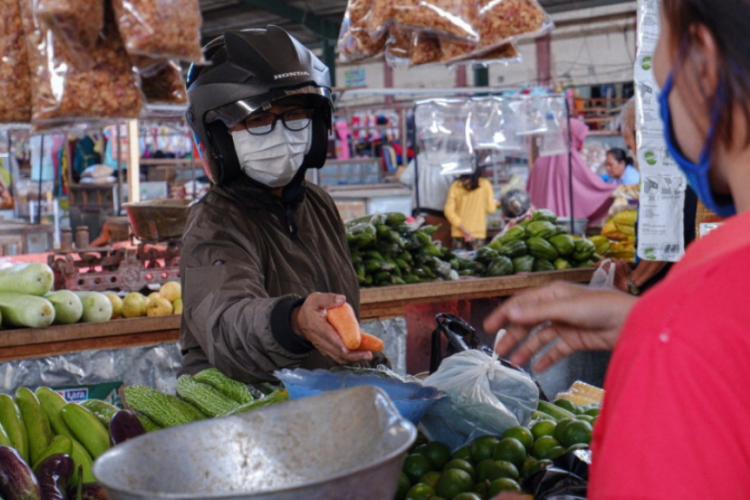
(342, 445)
(158, 220)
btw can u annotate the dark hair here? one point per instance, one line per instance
(620, 155)
(727, 20)
(471, 181)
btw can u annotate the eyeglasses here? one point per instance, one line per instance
(264, 123)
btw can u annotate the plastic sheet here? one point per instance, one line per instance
(64, 91)
(492, 125)
(441, 17)
(443, 135)
(15, 81)
(161, 28)
(355, 42)
(76, 23)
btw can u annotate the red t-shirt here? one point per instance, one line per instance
(675, 422)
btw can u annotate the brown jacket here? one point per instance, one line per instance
(247, 260)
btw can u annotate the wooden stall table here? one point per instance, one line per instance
(417, 303)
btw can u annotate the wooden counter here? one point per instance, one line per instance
(381, 302)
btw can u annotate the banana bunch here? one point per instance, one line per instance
(620, 233)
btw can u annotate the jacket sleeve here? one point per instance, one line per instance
(243, 332)
(490, 196)
(450, 206)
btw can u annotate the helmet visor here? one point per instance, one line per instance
(235, 113)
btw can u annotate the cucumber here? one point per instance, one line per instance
(30, 279)
(68, 307)
(148, 424)
(554, 411)
(60, 445)
(36, 422)
(4, 438)
(52, 404)
(232, 389)
(82, 459)
(10, 418)
(86, 428)
(96, 307)
(19, 309)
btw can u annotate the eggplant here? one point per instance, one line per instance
(89, 491)
(125, 425)
(17, 481)
(54, 474)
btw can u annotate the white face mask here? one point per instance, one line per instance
(272, 159)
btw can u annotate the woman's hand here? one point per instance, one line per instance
(468, 237)
(309, 322)
(579, 318)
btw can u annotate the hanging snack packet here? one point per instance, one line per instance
(164, 85)
(15, 81)
(76, 23)
(63, 91)
(355, 42)
(454, 52)
(425, 49)
(451, 18)
(499, 21)
(161, 28)
(398, 46)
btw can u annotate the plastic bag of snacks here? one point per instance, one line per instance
(15, 82)
(425, 49)
(355, 42)
(506, 53)
(161, 28)
(164, 85)
(64, 91)
(498, 21)
(398, 46)
(75, 22)
(452, 18)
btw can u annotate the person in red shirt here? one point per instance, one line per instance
(674, 416)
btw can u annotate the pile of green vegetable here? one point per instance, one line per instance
(48, 445)
(490, 465)
(387, 251)
(537, 244)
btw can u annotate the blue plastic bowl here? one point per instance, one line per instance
(411, 399)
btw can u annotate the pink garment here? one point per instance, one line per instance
(548, 184)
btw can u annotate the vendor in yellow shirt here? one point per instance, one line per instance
(470, 200)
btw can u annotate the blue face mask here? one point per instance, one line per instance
(696, 173)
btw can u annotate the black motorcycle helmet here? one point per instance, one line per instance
(246, 71)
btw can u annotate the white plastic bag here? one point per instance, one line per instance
(604, 276)
(483, 398)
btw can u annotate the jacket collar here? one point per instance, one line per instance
(251, 194)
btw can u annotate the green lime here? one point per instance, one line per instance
(576, 432)
(594, 412)
(420, 492)
(511, 450)
(585, 418)
(483, 468)
(438, 453)
(416, 466)
(403, 486)
(452, 482)
(482, 489)
(503, 484)
(543, 445)
(523, 434)
(561, 426)
(501, 468)
(530, 467)
(463, 453)
(555, 452)
(568, 405)
(463, 465)
(465, 496)
(482, 448)
(544, 463)
(419, 450)
(543, 428)
(430, 478)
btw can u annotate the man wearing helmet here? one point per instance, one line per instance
(264, 254)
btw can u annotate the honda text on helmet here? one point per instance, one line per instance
(247, 74)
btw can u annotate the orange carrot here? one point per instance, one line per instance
(370, 343)
(344, 321)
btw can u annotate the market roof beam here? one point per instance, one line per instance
(325, 29)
